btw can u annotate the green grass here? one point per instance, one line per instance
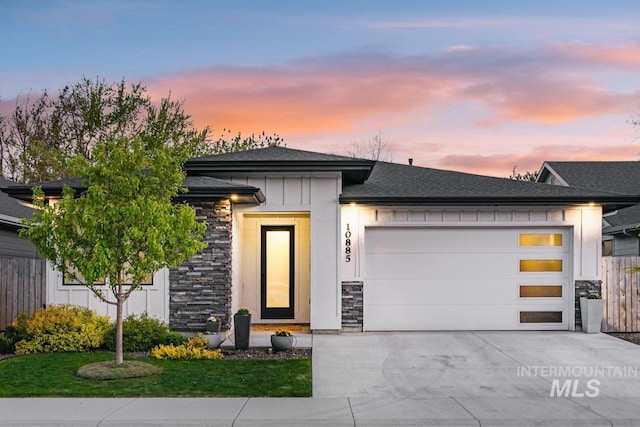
(54, 374)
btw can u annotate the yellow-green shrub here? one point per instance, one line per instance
(61, 328)
(195, 348)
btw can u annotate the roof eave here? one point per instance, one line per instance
(606, 202)
(353, 172)
(247, 195)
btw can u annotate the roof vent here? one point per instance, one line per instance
(410, 162)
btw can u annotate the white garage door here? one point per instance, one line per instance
(466, 278)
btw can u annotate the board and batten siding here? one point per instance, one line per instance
(153, 300)
(316, 194)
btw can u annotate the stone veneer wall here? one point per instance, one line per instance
(201, 286)
(584, 288)
(352, 305)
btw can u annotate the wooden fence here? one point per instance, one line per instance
(22, 287)
(620, 289)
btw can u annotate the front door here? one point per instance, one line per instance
(277, 271)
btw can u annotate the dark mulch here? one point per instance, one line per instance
(264, 353)
(633, 337)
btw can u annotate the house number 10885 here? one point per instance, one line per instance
(347, 245)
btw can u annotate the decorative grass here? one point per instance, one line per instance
(54, 375)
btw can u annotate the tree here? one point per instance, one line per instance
(124, 226)
(375, 148)
(527, 176)
(41, 135)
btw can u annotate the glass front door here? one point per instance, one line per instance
(277, 271)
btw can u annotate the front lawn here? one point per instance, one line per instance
(53, 375)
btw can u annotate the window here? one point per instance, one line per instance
(607, 248)
(540, 291)
(540, 317)
(543, 239)
(540, 265)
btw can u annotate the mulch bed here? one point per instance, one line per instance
(263, 353)
(633, 337)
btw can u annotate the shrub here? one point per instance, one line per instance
(59, 328)
(195, 348)
(6, 344)
(142, 333)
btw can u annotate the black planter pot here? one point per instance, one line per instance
(242, 328)
(213, 327)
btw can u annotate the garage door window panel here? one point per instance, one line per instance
(540, 265)
(540, 317)
(540, 291)
(541, 239)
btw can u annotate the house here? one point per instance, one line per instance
(22, 270)
(620, 227)
(11, 214)
(350, 244)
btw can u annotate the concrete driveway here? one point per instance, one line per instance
(490, 376)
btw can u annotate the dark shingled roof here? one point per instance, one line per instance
(273, 154)
(391, 183)
(280, 159)
(199, 187)
(615, 177)
(627, 217)
(10, 206)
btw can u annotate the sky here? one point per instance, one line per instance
(475, 86)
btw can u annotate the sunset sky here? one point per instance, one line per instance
(475, 86)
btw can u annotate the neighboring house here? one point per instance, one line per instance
(11, 213)
(22, 271)
(620, 228)
(343, 243)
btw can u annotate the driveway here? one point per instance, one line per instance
(533, 374)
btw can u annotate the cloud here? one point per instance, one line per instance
(621, 55)
(341, 92)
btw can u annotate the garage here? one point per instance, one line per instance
(457, 278)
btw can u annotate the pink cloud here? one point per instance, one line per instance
(340, 93)
(622, 55)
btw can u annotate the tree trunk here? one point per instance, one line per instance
(119, 357)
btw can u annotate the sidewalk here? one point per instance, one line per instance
(87, 412)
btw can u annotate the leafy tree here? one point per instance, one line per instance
(375, 148)
(41, 136)
(124, 226)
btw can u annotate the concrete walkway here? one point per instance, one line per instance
(433, 378)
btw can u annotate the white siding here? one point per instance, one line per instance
(154, 300)
(317, 194)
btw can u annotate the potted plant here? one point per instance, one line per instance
(242, 328)
(214, 339)
(591, 309)
(282, 340)
(213, 324)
